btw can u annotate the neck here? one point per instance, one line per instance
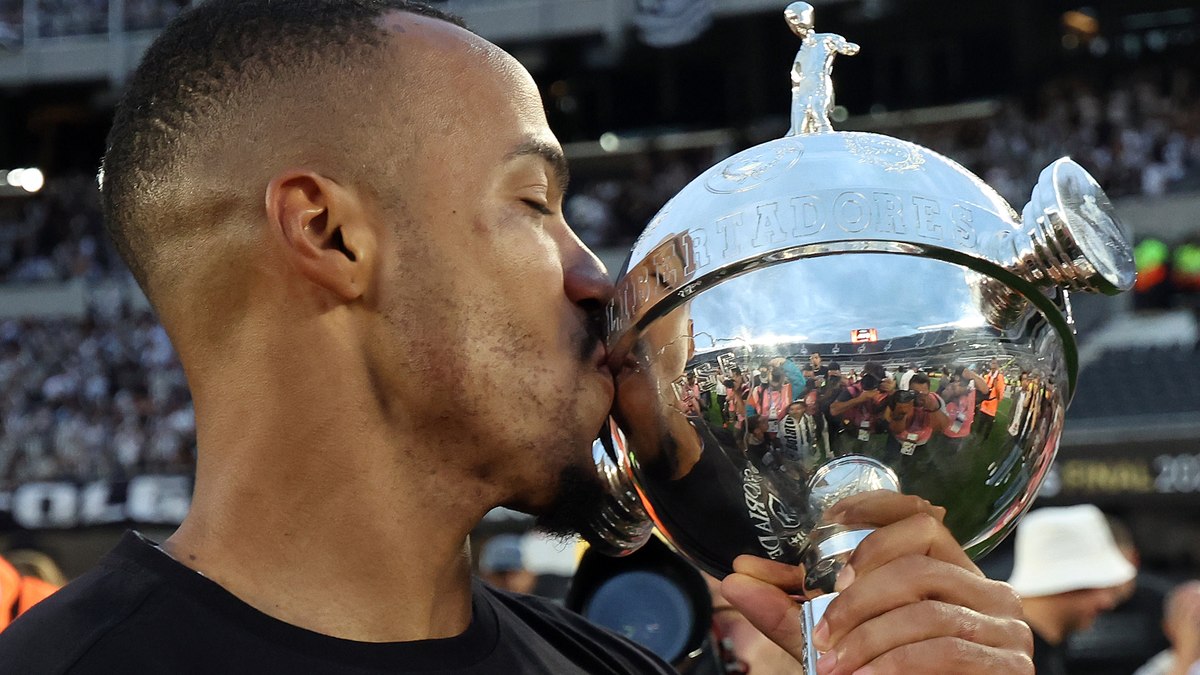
(311, 514)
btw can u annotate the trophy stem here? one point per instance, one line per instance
(827, 555)
(825, 558)
(811, 613)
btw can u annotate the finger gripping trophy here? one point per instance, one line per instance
(830, 314)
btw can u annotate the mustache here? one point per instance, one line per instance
(593, 330)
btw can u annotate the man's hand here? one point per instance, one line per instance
(911, 600)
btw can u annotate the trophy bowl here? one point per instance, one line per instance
(832, 313)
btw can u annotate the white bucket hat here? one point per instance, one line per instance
(1067, 549)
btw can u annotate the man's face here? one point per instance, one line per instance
(1083, 606)
(815, 360)
(796, 410)
(485, 340)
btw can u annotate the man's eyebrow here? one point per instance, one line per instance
(551, 153)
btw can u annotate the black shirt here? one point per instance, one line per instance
(1048, 659)
(139, 611)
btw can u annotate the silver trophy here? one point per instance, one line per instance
(832, 313)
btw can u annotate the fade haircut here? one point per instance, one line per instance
(203, 72)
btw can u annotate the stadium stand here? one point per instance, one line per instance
(1132, 381)
(99, 399)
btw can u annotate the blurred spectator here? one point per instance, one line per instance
(35, 564)
(1181, 624)
(1123, 639)
(503, 564)
(18, 593)
(1068, 570)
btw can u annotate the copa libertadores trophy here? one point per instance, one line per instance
(832, 313)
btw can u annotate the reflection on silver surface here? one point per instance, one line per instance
(831, 313)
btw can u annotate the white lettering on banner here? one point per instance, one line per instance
(39, 505)
(1163, 474)
(1177, 473)
(97, 507)
(163, 500)
(59, 505)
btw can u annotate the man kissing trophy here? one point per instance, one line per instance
(901, 264)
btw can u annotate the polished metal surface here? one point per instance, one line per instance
(810, 615)
(622, 526)
(890, 261)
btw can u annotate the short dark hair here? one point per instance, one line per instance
(197, 74)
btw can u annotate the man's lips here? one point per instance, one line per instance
(599, 356)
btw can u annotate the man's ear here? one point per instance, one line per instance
(323, 230)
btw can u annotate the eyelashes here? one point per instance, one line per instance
(538, 206)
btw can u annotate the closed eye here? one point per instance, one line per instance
(538, 206)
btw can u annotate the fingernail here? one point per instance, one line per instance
(844, 578)
(865, 670)
(820, 636)
(827, 663)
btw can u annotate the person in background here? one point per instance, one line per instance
(960, 391)
(1068, 571)
(771, 402)
(20, 592)
(1181, 624)
(503, 564)
(990, 403)
(33, 563)
(1122, 640)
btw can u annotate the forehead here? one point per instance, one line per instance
(460, 83)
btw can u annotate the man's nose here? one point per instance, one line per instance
(585, 279)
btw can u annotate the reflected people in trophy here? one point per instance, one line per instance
(961, 390)
(913, 415)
